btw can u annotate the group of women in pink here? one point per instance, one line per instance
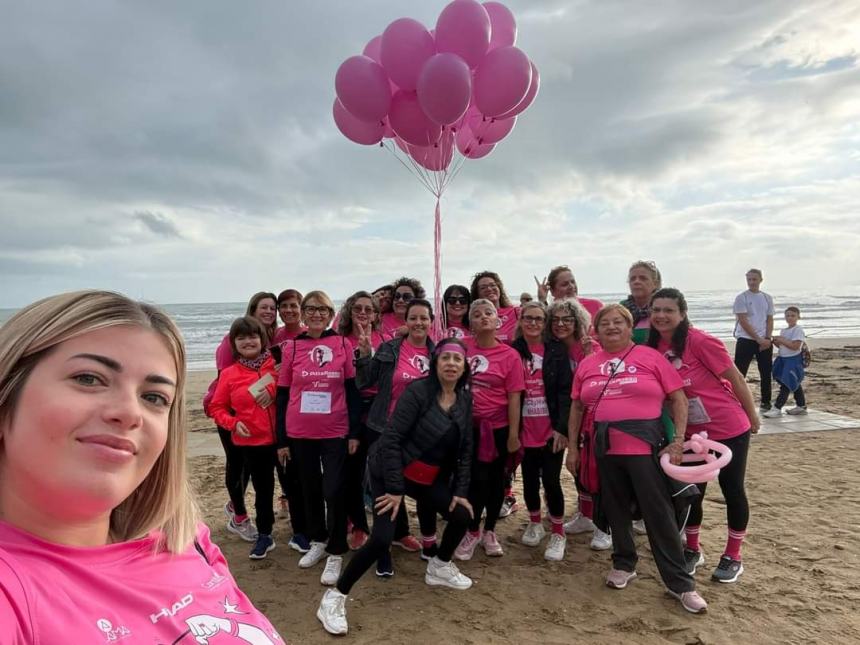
(343, 410)
(317, 401)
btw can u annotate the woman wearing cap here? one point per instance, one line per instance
(425, 453)
(625, 386)
(497, 386)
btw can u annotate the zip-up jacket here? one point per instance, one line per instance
(233, 402)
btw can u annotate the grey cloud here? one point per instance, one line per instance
(158, 223)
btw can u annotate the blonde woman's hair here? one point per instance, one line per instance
(163, 501)
(481, 302)
(531, 304)
(321, 297)
(568, 307)
(617, 307)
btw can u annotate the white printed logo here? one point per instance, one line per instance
(676, 361)
(534, 364)
(478, 364)
(168, 612)
(420, 363)
(455, 332)
(112, 634)
(612, 366)
(321, 355)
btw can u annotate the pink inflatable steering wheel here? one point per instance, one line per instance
(701, 447)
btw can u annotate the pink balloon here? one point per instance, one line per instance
(406, 45)
(437, 156)
(534, 87)
(409, 121)
(463, 28)
(469, 147)
(401, 144)
(708, 471)
(372, 49)
(355, 129)
(362, 87)
(445, 88)
(504, 26)
(490, 130)
(387, 131)
(502, 81)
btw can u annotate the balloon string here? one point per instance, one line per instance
(437, 272)
(391, 148)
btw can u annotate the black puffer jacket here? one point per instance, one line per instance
(417, 425)
(557, 380)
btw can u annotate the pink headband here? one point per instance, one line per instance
(449, 347)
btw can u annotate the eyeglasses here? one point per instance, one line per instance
(406, 296)
(566, 320)
(533, 320)
(358, 309)
(310, 310)
(457, 300)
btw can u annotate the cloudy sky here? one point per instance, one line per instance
(185, 151)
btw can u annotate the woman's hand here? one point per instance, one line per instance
(263, 399)
(587, 344)
(542, 289)
(513, 443)
(755, 424)
(572, 461)
(675, 451)
(559, 441)
(352, 446)
(364, 347)
(462, 501)
(388, 502)
(242, 429)
(283, 455)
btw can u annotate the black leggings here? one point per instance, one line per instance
(745, 351)
(320, 467)
(731, 480)
(260, 465)
(436, 496)
(542, 464)
(487, 489)
(235, 475)
(782, 397)
(289, 475)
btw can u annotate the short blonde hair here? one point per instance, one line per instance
(613, 307)
(319, 296)
(163, 501)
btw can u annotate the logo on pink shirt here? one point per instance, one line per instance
(478, 364)
(614, 366)
(420, 363)
(321, 355)
(112, 634)
(534, 364)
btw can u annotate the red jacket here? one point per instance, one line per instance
(233, 402)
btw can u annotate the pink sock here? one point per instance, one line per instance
(238, 519)
(475, 534)
(733, 544)
(534, 516)
(557, 525)
(428, 540)
(692, 533)
(586, 506)
(509, 491)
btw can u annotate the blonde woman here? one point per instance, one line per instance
(95, 508)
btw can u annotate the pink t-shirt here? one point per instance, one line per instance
(536, 426)
(315, 373)
(456, 330)
(391, 325)
(121, 593)
(636, 391)
(413, 363)
(591, 305)
(496, 372)
(376, 339)
(507, 330)
(713, 406)
(224, 354)
(283, 334)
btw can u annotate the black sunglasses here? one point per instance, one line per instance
(457, 300)
(403, 296)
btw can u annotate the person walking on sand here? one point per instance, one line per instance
(788, 368)
(754, 333)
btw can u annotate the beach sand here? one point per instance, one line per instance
(802, 558)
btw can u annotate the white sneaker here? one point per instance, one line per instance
(332, 612)
(555, 549)
(600, 541)
(773, 413)
(445, 574)
(578, 524)
(533, 534)
(332, 570)
(639, 527)
(316, 553)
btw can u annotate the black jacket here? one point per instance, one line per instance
(417, 424)
(557, 380)
(379, 370)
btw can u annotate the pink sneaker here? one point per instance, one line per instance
(467, 546)
(618, 579)
(491, 544)
(408, 543)
(691, 601)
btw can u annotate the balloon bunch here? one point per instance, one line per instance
(702, 450)
(426, 94)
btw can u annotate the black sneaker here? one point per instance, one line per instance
(728, 570)
(429, 552)
(693, 559)
(264, 544)
(385, 566)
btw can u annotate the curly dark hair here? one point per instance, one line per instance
(412, 283)
(504, 301)
(344, 322)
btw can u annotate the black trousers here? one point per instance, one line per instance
(745, 351)
(356, 468)
(235, 476)
(320, 465)
(487, 488)
(436, 496)
(260, 465)
(288, 474)
(623, 479)
(731, 480)
(543, 465)
(782, 397)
